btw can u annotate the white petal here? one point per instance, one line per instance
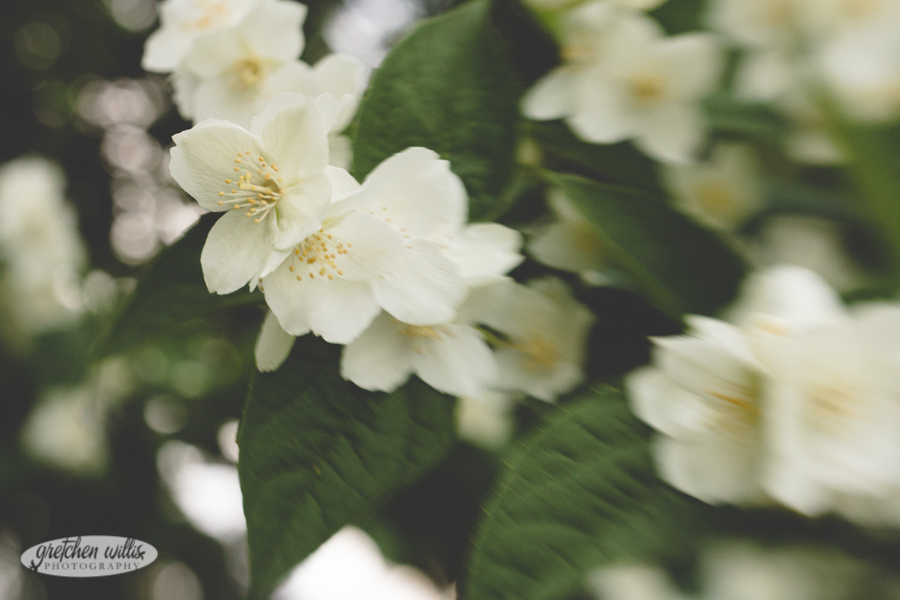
(289, 299)
(602, 114)
(342, 183)
(302, 210)
(372, 249)
(425, 287)
(485, 252)
(291, 131)
(658, 401)
(340, 151)
(517, 371)
(203, 158)
(455, 361)
(671, 132)
(340, 310)
(568, 246)
(379, 359)
(339, 74)
(417, 191)
(165, 49)
(275, 30)
(217, 98)
(214, 54)
(695, 64)
(552, 97)
(273, 345)
(235, 252)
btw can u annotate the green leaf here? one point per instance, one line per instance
(317, 453)
(620, 164)
(576, 494)
(172, 293)
(448, 86)
(680, 266)
(726, 115)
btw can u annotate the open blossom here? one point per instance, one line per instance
(373, 252)
(545, 332)
(631, 82)
(270, 181)
(232, 73)
(569, 243)
(721, 192)
(185, 21)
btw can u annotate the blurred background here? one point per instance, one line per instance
(142, 444)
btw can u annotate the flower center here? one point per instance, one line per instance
(715, 198)
(832, 403)
(539, 352)
(319, 255)
(247, 73)
(258, 189)
(646, 88)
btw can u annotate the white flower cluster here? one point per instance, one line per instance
(230, 57)
(40, 248)
(390, 268)
(622, 78)
(795, 400)
(742, 570)
(793, 49)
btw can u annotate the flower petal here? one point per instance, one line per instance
(289, 299)
(552, 97)
(379, 359)
(204, 157)
(455, 361)
(601, 112)
(417, 191)
(273, 345)
(302, 210)
(671, 132)
(275, 30)
(165, 49)
(485, 252)
(292, 133)
(235, 251)
(217, 98)
(425, 288)
(340, 310)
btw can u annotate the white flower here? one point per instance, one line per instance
(185, 21)
(569, 243)
(487, 422)
(720, 193)
(452, 357)
(638, 85)
(703, 394)
(66, 431)
(834, 410)
(270, 181)
(39, 245)
(553, 5)
(546, 331)
(373, 252)
(632, 581)
(232, 73)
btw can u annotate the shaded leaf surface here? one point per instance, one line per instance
(448, 86)
(317, 453)
(679, 265)
(577, 493)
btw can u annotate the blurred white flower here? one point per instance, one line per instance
(833, 411)
(182, 22)
(546, 332)
(720, 193)
(40, 245)
(632, 581)
(488, 421)
(703, 395)
(232, 73)
(569, 243)
(451, 357)
(66, 430)
(623, 79)
(270, 181)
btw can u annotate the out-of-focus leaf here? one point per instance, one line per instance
(171, 293)
(726, 115)
(448, 86)
(678, 265)
(577, 493)
(317, 453)
(620, 164)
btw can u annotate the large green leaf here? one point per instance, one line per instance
(317, 453)
(680, 266)
(578, 493)
(448, 86)
(172, 293)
